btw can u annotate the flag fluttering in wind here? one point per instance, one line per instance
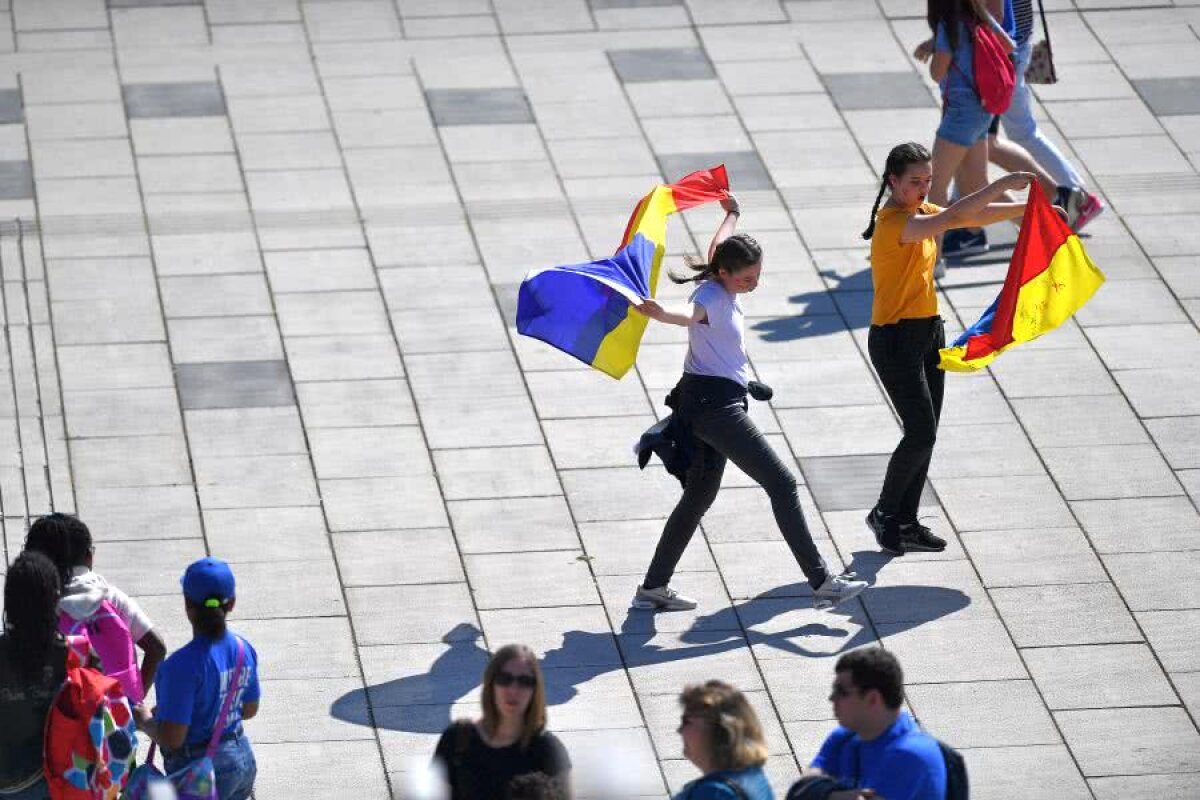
(584, 309)
(1049, 278)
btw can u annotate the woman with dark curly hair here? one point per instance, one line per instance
(33, 664)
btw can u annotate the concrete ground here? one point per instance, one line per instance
(260, 267)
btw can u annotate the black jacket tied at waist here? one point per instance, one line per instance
(671, 438)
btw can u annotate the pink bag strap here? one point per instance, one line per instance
(227, 706)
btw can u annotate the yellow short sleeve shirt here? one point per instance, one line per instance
(902, 274)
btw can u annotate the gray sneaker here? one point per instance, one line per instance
(939, 268)
(664, 598)
(837, 589)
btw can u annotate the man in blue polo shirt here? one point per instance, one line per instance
(878, 745)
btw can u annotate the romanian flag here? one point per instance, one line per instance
(1049, 278)
(584, 309)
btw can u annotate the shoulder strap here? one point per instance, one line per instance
(1045, 27)
(227, 706)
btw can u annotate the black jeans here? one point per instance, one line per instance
(905, 356)
(715, 410)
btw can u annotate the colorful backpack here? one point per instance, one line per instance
(91, 738)
(112, 644)
(995, 73)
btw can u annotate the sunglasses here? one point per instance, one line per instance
(504, 678)
(839, 691)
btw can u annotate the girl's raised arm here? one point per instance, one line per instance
(973, 211)
(728, 225)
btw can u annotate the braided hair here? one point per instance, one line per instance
(31, 592)
(732, 255)
(63, 539)
(898, 160)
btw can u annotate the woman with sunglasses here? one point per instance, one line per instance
(724, 739)
(481, 756)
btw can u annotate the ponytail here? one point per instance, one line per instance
(898, 160)
(870, 231)
(703, 271)
(738, 251)
(208, 621)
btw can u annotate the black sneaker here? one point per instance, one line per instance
(962, 242)
(886, 530)
(916, 538)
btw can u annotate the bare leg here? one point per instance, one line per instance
(947, 156)
(1011, 157)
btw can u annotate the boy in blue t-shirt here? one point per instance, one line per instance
(195, 682)
(878, 746)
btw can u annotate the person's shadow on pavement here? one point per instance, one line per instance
(424, 703)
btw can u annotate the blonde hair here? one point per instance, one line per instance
(535, 713)
(735, 736)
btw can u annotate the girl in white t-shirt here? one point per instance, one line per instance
(86, 596)
(710, 405)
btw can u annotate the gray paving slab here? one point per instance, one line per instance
(996, 772)
(930, 653)
(1139, 524)
(234, 384)
(155, 100)
(1170, 96)
(985, 714)
(1101, 738)
(1033, 557)
(1140, 786)
(294, 533)
(661, 64)
(16, 180)
(1081, 613)
(478, 106)
(1098, 676)
(847, 482)
(745, 167)
(854, 91)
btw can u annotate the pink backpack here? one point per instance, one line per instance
(995, 74)
(112, 644)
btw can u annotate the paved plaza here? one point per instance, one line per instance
(260, 265)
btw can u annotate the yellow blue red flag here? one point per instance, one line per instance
(584, 309)
(1049, 278)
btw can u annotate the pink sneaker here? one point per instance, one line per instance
(1091, 207)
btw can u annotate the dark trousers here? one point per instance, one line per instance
(723, 431)
(905, 356)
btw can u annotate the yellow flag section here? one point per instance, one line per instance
(618, 350)
(1049, 278)
(585, 310)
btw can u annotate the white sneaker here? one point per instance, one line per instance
(837, 589)
(664, 598)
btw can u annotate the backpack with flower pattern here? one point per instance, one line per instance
(90, 739)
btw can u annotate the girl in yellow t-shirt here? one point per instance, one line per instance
(906, 331)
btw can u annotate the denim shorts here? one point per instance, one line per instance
(234, 764)
(964, 120)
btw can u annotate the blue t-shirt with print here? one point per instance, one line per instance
(902, 763)
(962, 69)
(191, 685)
(713, 786)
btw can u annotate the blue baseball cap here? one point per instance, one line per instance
(208, 582)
